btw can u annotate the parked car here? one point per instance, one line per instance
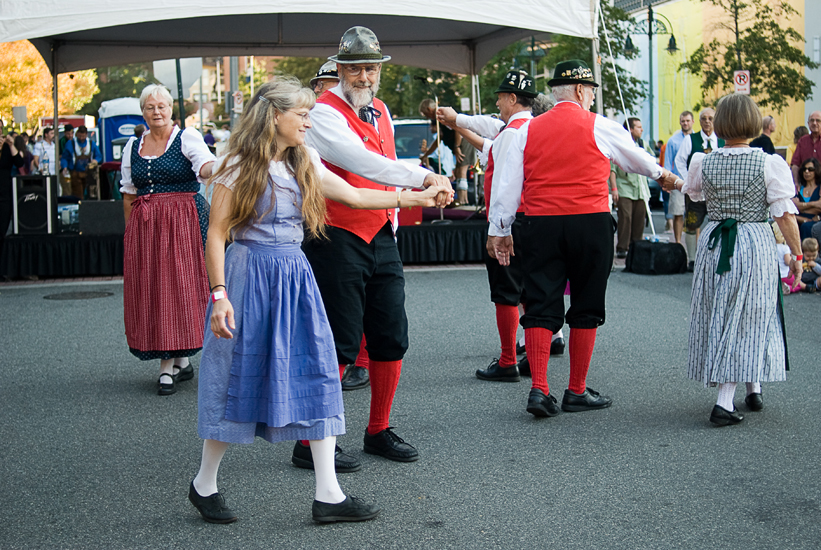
(408, 134)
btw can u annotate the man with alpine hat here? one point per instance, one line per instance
(515, 98)
(567, 231)
(326, 78)
(358, 268)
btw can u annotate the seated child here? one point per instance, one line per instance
(788, 282)
(812, 270)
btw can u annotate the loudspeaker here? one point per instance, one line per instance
(102, 218)
(35, 204)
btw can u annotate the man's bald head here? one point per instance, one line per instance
(814, 122)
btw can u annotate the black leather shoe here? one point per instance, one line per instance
(520, 349)
(184, 374)
(212, 508)
(350, 509)
(557, 346)
(691, 267)
(343, 463)
(539, 404)
(389, 445)
(166, 389)
(497, 373)
(355, 378)
(722, 417)
(588, 401)
(524, 366)
(754, 401)
(620, 254)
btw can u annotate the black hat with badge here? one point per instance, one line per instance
(574, 71)
(359, 45)
(517, 82)
(326, 72)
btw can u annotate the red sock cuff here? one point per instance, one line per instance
(581, 344)
(537, 342)
(362, 357)
(507, 321)
(384, 380)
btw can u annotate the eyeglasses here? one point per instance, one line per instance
(355, 70)
(156, 108)
(306, 116)
(814, 120)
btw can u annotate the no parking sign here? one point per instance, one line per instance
(741, 80)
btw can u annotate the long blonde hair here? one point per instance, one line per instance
(252, 147)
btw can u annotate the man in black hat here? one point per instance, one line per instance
(567, 230)
(358, 268)
(326, 78)
(515, 98)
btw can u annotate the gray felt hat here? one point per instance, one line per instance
(359, 45)
(326, 72)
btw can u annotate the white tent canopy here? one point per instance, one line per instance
(458, 36)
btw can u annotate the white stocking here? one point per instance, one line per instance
(166, 368)
(556, 335)
(726, 392)
(180, 363)
(327, 487)
(206, 481)
(753, 387)
(691, 243)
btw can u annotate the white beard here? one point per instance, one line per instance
(359, 96)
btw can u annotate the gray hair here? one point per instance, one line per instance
(541, 105)
(156, 91)
(766, 122)
(564, 92)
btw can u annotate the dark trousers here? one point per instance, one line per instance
(507, 282)
(363, 288)
(6, 209)
(558, 249)
(632, 215)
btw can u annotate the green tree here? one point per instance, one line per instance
(618, 27)
(119, 81)
(761, 44)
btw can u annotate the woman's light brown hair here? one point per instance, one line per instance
(252, 147)
(737, 117)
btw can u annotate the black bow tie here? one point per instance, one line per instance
(368, 113)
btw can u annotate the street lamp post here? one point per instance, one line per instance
(654, 26)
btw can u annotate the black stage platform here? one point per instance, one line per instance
(72, 255)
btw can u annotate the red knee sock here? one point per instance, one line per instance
(362, 358)
(537, 343)
(384, 379)
(581, 345)
(341, 370)
(507, 321)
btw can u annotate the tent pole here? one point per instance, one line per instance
(597, 77)
(56, 122)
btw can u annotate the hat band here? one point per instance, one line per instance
(347, 56)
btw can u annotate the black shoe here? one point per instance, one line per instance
(621, 254)
(520, 349)
(212, 508)
(391, 446)
(343, 463)
(691, 267)
(557, 346)
(524, 366)
(166, 389)
(722, 417)
(355, 378)
(588, 401)
(184, 374)
(810, 288)
(350, 509)
(497, 373)
(755, 402)
(539, 404)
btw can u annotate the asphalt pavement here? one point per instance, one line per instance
(93, 458)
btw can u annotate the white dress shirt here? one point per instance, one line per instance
(337, 144)
(45, 151)
(614, 142)
(484, 126)
(686, 148)
(193, 148)
(777, 179)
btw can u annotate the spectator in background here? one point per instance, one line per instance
(764, 142)
(448, 136)
(807, 147)
(68, 134)
(138, 130)
(632, 192)
(80, 158)
(9, 158)
(326, 78)
(675, 206)
(21, 146)
(807, 199)
(798, 133)
(43, 160)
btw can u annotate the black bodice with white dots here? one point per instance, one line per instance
(169, 173)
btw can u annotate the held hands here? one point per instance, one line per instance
(500, 248)
(427, 197)
(222, 313)
(446, 116)
(445, 195)
(668, 180)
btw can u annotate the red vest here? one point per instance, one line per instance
(365, 224)
(515, 125)
(565, 172)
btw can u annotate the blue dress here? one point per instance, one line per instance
(278, 377)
